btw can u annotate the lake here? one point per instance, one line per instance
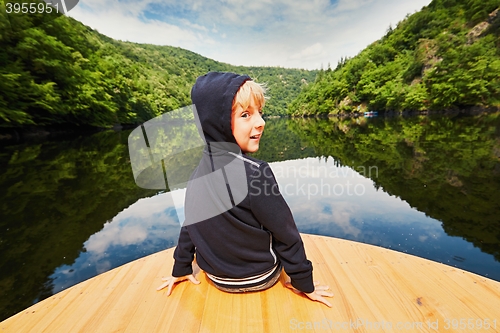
(426, 186)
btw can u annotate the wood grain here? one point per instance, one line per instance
(375, 289)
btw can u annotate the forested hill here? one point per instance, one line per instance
(446, 56)
(63, 72)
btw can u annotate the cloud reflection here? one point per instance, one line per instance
(343, 202)
(312, 188)
(147, 226)
(375, 217)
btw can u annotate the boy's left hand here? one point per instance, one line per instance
(317, 295)
(170, 281)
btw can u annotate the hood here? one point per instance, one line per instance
(213, 95)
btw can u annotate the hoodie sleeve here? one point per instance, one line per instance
(273, 213)
(183, 255)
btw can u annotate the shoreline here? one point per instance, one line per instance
(33, 134)
(471, 111)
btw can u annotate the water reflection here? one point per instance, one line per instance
(324, 205)
(53, 196)
(147, 226)
(325, 198)
(70, 210)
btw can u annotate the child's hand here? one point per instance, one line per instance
(318, 293)
(171, 280)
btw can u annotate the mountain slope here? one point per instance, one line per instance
(62, 72)
(445, 56)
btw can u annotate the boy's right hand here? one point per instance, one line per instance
(171, 280)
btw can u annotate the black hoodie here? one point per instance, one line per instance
(257, 232)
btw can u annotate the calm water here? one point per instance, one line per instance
(425, 186)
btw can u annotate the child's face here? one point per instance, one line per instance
(247, 126)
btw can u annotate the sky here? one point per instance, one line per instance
(307, 34)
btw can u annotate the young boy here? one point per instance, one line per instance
(244, 247)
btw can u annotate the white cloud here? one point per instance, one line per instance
(115, 234)
(313, 51)
(349, 5)
(133, 225)
(118, 23)
(145, 224)
(286, 33)
(343, 215)
(194, 25)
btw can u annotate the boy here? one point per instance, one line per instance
(244, 247)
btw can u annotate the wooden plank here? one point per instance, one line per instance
(150, 302)
(88, 312)
(42, 315)
(375, 289)
(124, 308)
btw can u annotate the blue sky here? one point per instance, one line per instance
(286, 33)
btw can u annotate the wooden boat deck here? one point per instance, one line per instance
(375, 289)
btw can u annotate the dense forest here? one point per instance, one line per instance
(447, 56)
(62, 72)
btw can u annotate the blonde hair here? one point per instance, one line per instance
(248, 90)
